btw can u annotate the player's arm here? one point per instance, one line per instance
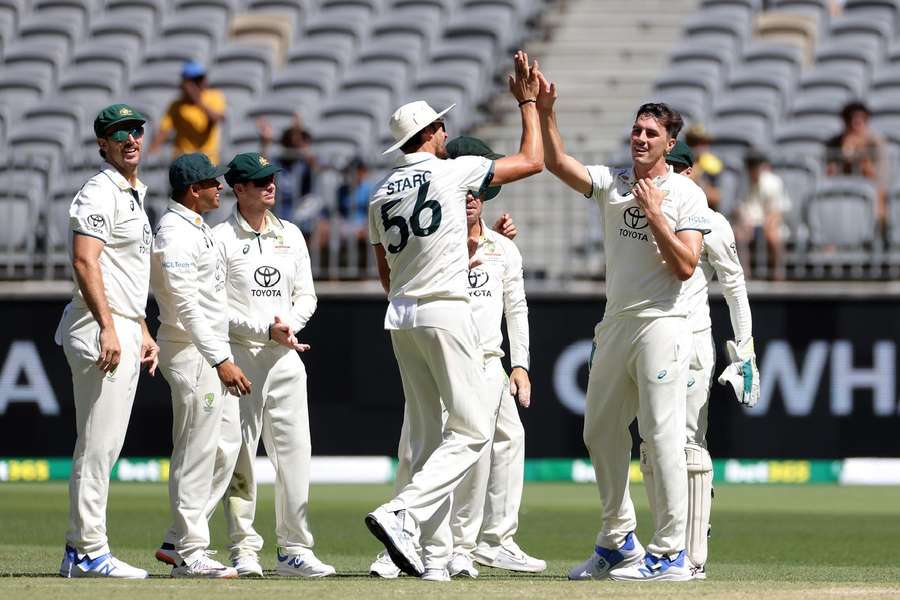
(162, 132)
(303, 295)
(529, 160)
(515, 309)
(176, 256)
(568, 169)
(384, 271)
(681, 249)
(722, 253)
(86, 265)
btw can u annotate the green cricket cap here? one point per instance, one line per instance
(465, 145)
(249, 166)
(680, 155)
(192, 168)
(113, 115)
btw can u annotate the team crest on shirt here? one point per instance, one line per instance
(209, 401)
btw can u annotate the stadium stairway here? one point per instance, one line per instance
(604, 57)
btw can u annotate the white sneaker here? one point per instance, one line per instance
(603, 560)
(461, 565)
(302, 564)
(166, 554)
(105, 565)
(511, 558)
(204, 568)
(398, 532)
(384, 567)
(247, 566)
(435, 574)
(654, 568)
(698, 572)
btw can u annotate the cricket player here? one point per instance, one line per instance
(654, 221)
(417, 224)
(188, 278)
(270, 298)
(485, 512)
(718, 257)
(103, 333)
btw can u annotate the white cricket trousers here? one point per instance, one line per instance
(198, 402)
(703, 361)
(102, 408)
(487, 500)
(441, 364)
(276, 411)
(639, 368)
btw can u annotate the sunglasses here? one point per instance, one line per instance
(264, 182)
(121, 135)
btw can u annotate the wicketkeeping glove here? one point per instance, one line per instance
(742, 374)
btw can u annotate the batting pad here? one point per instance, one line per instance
(700, 475)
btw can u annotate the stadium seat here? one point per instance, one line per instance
(838, 82)
(800, 175)
(294, 11)
(156, 85)
(841, 218)
(719, 27)
(245, 57)
(87, 88)
(688, 55)
(50, 30)
(78, 12)
(861, 30)
(334, 32)
(102, 56)
(493, 29)
(885, 108)
(406, 31)
(377, 53)
(240, 85)
(856, 58)
(736, 135)
(781, 58)
(20, 87)
(306, 84)
(817, 109)
(762, 84)
(384, 83)
(885, 11)
(170, 54)
(34, 55)
(748, 108)
(797, 29)
(131, 37)
(17, 229)
(805, 138)
(140, 11)
(203, 35)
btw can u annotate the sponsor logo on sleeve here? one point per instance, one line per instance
(95, 222)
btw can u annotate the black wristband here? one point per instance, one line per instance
(524, 102)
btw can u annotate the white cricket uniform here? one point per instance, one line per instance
(269, 275)
(107, 208)
(188, 278)
(642, 352)
(488, 499)
(718, 257)
(418, 214)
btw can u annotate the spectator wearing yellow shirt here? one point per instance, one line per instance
(194, 116)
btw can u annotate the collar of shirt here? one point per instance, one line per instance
(122, 183)
(187, 214)
(273, 223)
(631, 180)
(414, 157)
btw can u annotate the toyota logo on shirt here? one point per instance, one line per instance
(266, 276)
(634, 218)
(96, 222)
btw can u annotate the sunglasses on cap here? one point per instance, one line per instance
(263, 182)
(121, 135)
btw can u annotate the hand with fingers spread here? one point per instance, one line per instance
(506, 227)
(110, 350)
(233, 378)
(547, 94)
(280, 332)
(525, 84)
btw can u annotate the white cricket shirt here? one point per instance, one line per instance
(267, 275)
(497, 288)
(719, 257)
(638, 282)
(108, 208)
(418, 213)
(188, 278)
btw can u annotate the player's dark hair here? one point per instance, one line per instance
(667, 117)
(853, 107)
(102, 153)
(416, 141)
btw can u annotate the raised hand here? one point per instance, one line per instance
(525, 84)
(506, 227)
(547, 94)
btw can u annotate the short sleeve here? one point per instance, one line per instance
(167, 122)
(93, 211)
(474, 172)
(215, 100)
(374, 235)
(601, 181)
(693, 214)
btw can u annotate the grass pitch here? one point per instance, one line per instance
(777, 541)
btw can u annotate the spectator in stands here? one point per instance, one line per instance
(349, 225)
(859, 151)
(758, 217)
(707, 165)
(195, 116)
(296, 180)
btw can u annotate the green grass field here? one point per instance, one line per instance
(781, 542)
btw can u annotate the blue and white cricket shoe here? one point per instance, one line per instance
(655, 568)
(303, 564)
(603, 560)
(105, 565)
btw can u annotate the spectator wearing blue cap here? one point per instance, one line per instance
(194, 116)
